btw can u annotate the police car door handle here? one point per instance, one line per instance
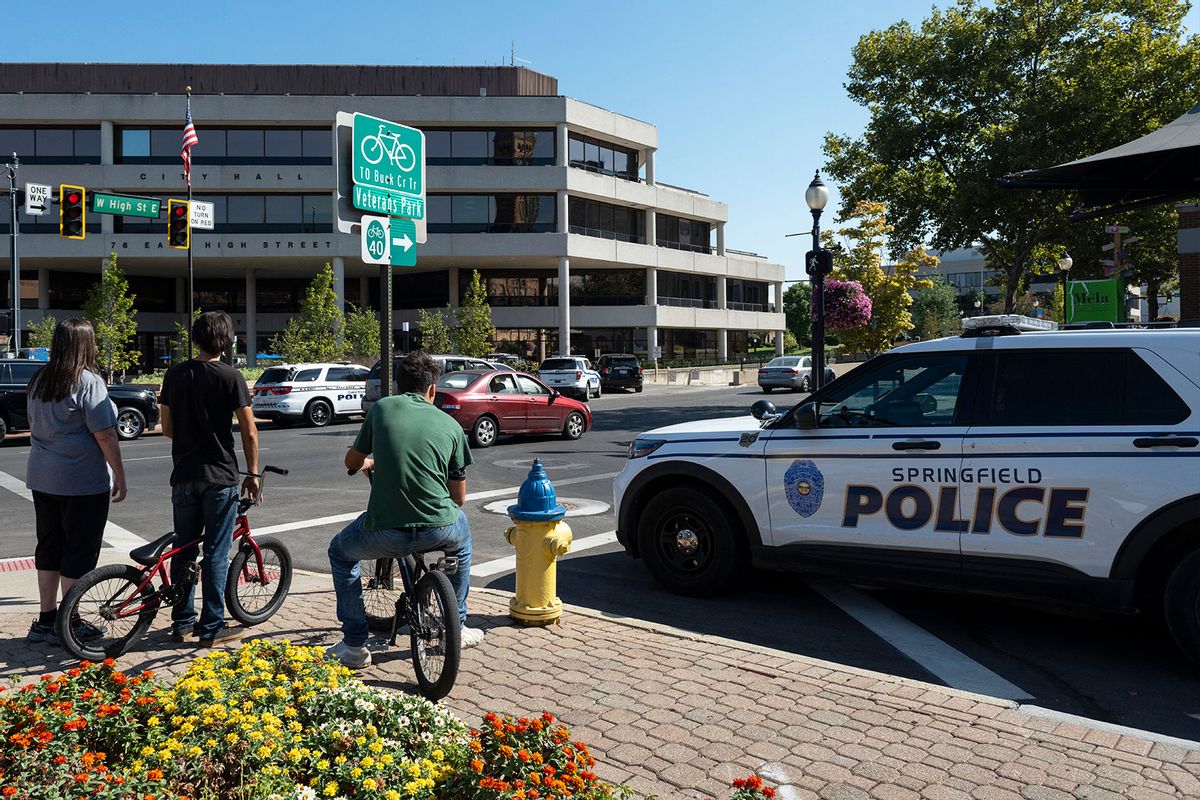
(921, 444)
(1167, 441)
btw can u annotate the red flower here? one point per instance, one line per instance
(9, 791)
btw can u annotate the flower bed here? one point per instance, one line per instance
(273, 721)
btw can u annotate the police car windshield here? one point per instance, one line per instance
(275, 375)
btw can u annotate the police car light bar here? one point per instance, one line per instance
(1015, 322)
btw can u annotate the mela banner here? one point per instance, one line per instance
(1095, 301)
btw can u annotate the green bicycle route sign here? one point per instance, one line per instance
(126, 205)
(388, 167)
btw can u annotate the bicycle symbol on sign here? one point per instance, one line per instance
(399, 154)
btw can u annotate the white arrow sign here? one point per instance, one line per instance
(1109, 246)
(36, 197)
(403, 241)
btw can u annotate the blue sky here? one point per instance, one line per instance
(742, 94)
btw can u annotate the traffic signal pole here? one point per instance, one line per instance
(191, 291)
(14, 262)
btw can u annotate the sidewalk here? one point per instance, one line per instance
(680, 716)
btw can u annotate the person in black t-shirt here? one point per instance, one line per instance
(199, 397)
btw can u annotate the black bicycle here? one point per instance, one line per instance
(409, 592)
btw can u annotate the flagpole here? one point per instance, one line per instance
(191, 312)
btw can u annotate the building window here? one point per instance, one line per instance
(415, 290)
(595, 342)
(683, 234)
(743, 295)
(606, 221)
(152, 293)
(227, 146)
(606, 287)
(531, 344)
(594, 155)
(514, 287)
(491, 213)
(249, 213)
(52, 145)
(688, 345)
(489, 146)
(686, 290)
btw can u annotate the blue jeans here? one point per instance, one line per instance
(355, 543)
(200, 506)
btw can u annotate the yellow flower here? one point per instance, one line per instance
(231, 738)
(369, 784)
(391, 794)
(368, 762)
(376, 747)
(147, 751)
(330, 789)
(360, 740)
(323, 764)
(437, 754)
(152, 722)
(356, 773)
(386, 759)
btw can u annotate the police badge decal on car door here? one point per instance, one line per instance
(805, 487)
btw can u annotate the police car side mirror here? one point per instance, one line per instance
(806, 416)
(763, 409)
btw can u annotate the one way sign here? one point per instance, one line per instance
(389, 240)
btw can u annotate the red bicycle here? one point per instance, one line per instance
(113, 606)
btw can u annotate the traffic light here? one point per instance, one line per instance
(179, 224)
(72, 201)
(818, 262)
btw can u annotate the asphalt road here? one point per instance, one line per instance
(1117, 670)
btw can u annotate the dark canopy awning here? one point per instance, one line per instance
(1160, 167)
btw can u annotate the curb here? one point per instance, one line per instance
(879, 677)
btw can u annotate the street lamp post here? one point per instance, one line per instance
(816, 196)
(1064, 269)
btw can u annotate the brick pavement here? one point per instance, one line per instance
(679, 715)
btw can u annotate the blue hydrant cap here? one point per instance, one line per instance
(537, 501)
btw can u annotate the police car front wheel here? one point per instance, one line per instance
(690, 542)
(1181, 606)
(319, 413)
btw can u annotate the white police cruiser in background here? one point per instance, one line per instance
(311, 393)
(1013, 460)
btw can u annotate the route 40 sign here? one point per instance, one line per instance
(388, 167)
(389, 241)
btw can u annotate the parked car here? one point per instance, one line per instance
(620, 371)
(502, 358)
(137, 406)
(492, 403)
(572, 375)
(789, 372)
(313, 393)
(448, 363)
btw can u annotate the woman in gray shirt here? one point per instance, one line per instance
(74, 467)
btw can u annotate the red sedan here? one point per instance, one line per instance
(488, 404)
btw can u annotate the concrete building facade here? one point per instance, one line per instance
(554, 201)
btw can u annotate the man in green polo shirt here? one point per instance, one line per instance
(419, 456)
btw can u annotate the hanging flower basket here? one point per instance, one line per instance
(846, 305)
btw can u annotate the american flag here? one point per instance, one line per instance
(190, 140)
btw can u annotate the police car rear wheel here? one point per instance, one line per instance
(688, 542)
(319, 413)
(1181, 606)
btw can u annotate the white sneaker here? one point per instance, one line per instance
(352, 657)
(470, 637)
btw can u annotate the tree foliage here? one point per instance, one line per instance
(868, 232)
(474, 333)
(179, 345)
(40, 334)
(316, 335)
(436, 334)
(797, 311)
(983, 89)
(362, 334)
(109, 307)
(935, 311)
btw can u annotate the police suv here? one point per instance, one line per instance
(1014, 460)
(310, 393)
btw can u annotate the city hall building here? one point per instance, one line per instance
(555, 202)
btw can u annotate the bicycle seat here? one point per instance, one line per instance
(148, 553)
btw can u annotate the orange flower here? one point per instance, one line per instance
(81, 777)
(506, 751)
(476, 765)
(476, 746)
(524, 756)
(9, 791)
(109, 662)
(154, 775)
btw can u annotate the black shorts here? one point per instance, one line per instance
(70, 532)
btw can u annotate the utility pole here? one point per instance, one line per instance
(14, 262)
(191, 304)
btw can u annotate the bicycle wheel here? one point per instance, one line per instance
(251, 595)
(382, 587)
(373, 144)
(104, 612)
(436, 638)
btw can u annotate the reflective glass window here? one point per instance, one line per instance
(135, 143)
(166, 142)
(16, 140)
(469, 144)
(469, 208)
(620, 162)
(317, 212)
(283, 209)
(54, 142)
(437, 144)
(282, 144)
(318, 144)
(211, 144)
(591, 154)
(543, 144)
(244, 143)
(575, 149)
(437, 208)
(245, 209)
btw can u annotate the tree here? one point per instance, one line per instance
(436, 335)
(797, 311)
(1155, 254)
(41, 334)
(935, 311)
(316, 335)
(362, 334)
(109, 307)
(474, 333)
(179, 345)
(984, 89)
(889, 291)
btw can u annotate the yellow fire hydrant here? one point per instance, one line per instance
(540, 537)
